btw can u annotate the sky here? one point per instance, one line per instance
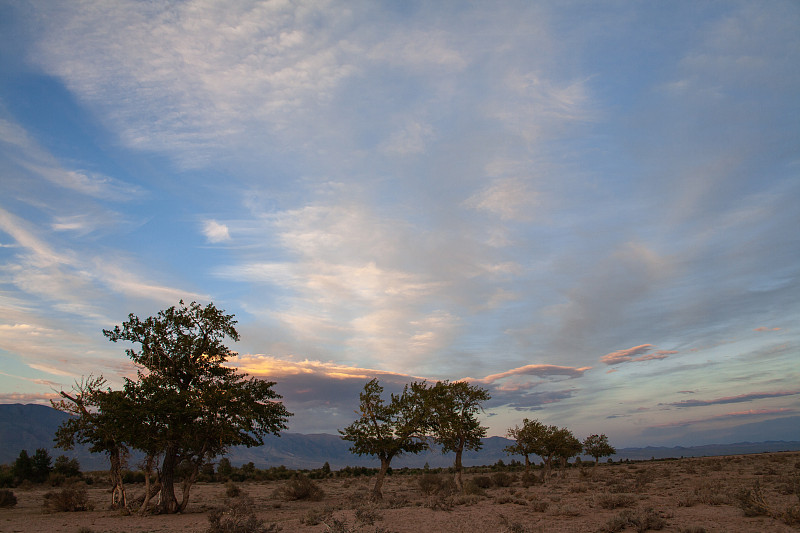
(590, 209)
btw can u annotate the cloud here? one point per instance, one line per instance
(767, 329)
(627, 355)
(534, 370)
(508, 198)
(215, 232)
(734, 399)
(736, 415)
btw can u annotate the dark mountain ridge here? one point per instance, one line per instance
(33, 426)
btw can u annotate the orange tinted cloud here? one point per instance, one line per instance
(629, 355)
(534, 370)
(767, 329)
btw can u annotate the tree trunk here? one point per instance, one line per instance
(377, 494)
(169, 503)
(118, 498)
(150, 489)
(527, 464)
(187, 485)
(457, 468)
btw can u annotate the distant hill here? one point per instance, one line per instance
(33, 426)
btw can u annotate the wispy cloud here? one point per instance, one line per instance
(629, 355)
(734, 399)
(736, 415)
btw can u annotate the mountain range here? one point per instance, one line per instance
(33, 426)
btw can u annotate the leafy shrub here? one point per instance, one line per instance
(299, 488)
(7, 499)
(238, 517)
(69, 499)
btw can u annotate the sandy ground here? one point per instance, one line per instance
(686, 495)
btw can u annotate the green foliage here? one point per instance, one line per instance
(185, 405)
(535, 438)
(388, 430)
(22, 469)
(7, 499)
(67, 467)
(597, 446)
(41, 466)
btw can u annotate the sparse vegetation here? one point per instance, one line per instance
(69, 499)
(299, 488)
(238, 517)
(7, 499)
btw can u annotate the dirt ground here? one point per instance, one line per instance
(686, 495)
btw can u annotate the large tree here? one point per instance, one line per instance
(387, 430)
(528, 440)
(192, 405)
(455, 427)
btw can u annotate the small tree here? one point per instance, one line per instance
(528, 440)
(41, 466)
(453, 409)
(67, 467)
(22, 468)
(566, 446)
(597, 446)
(388, 430)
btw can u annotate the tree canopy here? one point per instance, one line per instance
(387, 430)
(597, 446)
(184, 405)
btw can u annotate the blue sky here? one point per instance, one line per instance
(589, 208)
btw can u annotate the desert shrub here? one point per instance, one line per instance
(693, 529)
(69, 499)
(7, 499)
(529, 478)
(539, 506)
(641, 521)
(710, 494)
(232, 490)
(472, 488)
(752, 501)
(614, 500)
(502, 479)
(578, 488)
(483, 482)
(644, 478)
(367, 515)
(299, 488)
(429, 483)
(238, 517)
(466, 499)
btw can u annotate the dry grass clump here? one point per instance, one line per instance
(238, 517)
(7, 499)
(299, 488)
(641, 520)
(69, 499)
(615, 500)
(753, 503)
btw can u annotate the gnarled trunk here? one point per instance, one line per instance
(457, 467)
(188, 481)
(118, 498)
(169, 503)
(377, 493)
(150, 489)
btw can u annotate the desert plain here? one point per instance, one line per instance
(744, 493)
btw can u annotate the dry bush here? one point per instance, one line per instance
(232, 490)
(69, 499)
(539, 506)
(529, 478)
(502, 479)
(752, 501)
(710, 494)
(578, 488)
(238, 517)
(565, 510)
(7, 499)
(367, 515)
(641, 521)
(299, 488)
(483, 482)
(472, 488)
(615, 500)
(693, 529)
(429, 483)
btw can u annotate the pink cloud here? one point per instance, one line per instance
(534, 370)
(767, 329)
(629, 355)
